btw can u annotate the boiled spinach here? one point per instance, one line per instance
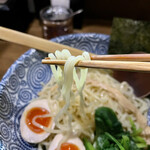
(110, 134)
(107, 121)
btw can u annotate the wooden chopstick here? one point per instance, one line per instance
(122, 57)
(34, 42)
(119, 65)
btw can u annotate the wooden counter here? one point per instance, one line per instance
(9, 52)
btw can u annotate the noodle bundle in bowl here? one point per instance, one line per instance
(69, 101)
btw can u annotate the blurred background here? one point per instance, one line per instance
(23, 15)
(18, 14)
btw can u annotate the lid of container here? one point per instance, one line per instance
(56, 13)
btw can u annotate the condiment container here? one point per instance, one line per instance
(56, 21)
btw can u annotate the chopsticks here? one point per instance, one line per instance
(121, 62)
(117, 63)
(50, 47)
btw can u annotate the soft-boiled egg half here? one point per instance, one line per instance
(30, 131)
(73, 143)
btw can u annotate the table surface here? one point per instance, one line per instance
(9, 52)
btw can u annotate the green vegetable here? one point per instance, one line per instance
(125, 142)
(115, 140)
(106, 121)
(110, 134)
(135, 131)
(88, 145)
(140, 142)
(102, 142)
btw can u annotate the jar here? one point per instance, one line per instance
(56, 21)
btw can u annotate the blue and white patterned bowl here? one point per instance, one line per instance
(23, 81)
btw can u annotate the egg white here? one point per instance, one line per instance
(27, 134)
(74, 140)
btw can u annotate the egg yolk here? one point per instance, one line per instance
(69, 146)
(36, 111)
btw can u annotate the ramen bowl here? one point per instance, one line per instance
(22, 82)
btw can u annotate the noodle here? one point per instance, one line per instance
(76, 100)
